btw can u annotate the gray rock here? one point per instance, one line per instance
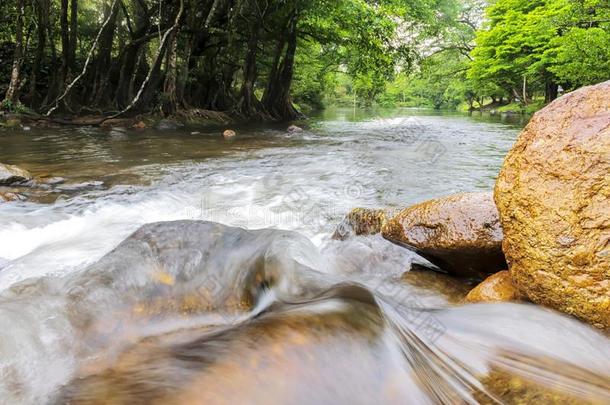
(294, 129)
(167, 125)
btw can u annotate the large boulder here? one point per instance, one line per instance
(11, 175)
(496, 288)
(460, 233)
(553, 194)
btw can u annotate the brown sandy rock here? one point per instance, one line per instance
(6, 196)
(139, 125)
(361, 221)
(460, 233)
(229, 133)
(496, 288)
(553, 194)
(450, 288)
(11, 175)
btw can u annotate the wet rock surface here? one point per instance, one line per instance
(13, 175)
(168, 125)
(495, 288)
(361, 221)
(451, 288)
(294, 129)
(460, 233)
(229, 133)
(184, 312)
(553, 194)
(9, 194)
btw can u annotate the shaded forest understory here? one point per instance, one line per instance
(141, 55)
(262, 59)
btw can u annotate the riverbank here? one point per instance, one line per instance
(140, 121)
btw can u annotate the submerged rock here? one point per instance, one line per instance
(11, 195)
(361, 221)
(450, 288)
(553, 194)
(294, 129)
(13, 175)
(184, 312)
(168, 125)
(49, 180)
(87, 185)
(229, 133)
(495, 288)
(139, 125)
(461, 233)
(12, 122)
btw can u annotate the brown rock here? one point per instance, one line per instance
(451, 288)
(6, 196)
(553, 194)
(460, 233)
(114, 123)
(229, 133)
(139, 125)
(10, 175)
(496, 288)
(361, 221)
(12, 123)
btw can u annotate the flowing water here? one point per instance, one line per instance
(266, 308)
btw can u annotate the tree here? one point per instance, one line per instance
(250, 58)
(12, 93)
(534, 45)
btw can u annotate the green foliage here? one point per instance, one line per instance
(520, 55)
(546, 41)
(9, 106)
(580, 57)
(257, 56)
(361, 45)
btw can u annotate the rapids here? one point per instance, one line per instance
(98, 307)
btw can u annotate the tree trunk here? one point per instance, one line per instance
(53, 86)
(104, 57)
(551, 91)
(12, 93)
(279, 50)
(65, 41)
(129, 59)
(249, 106)
(524, 90)
(279, 100)
(73, 34)
(184, 72)
(170, 100)
(42, 13)
(144, 93)
(83, 72)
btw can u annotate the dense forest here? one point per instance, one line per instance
(269, 59)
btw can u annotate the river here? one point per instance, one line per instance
(356, 341)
